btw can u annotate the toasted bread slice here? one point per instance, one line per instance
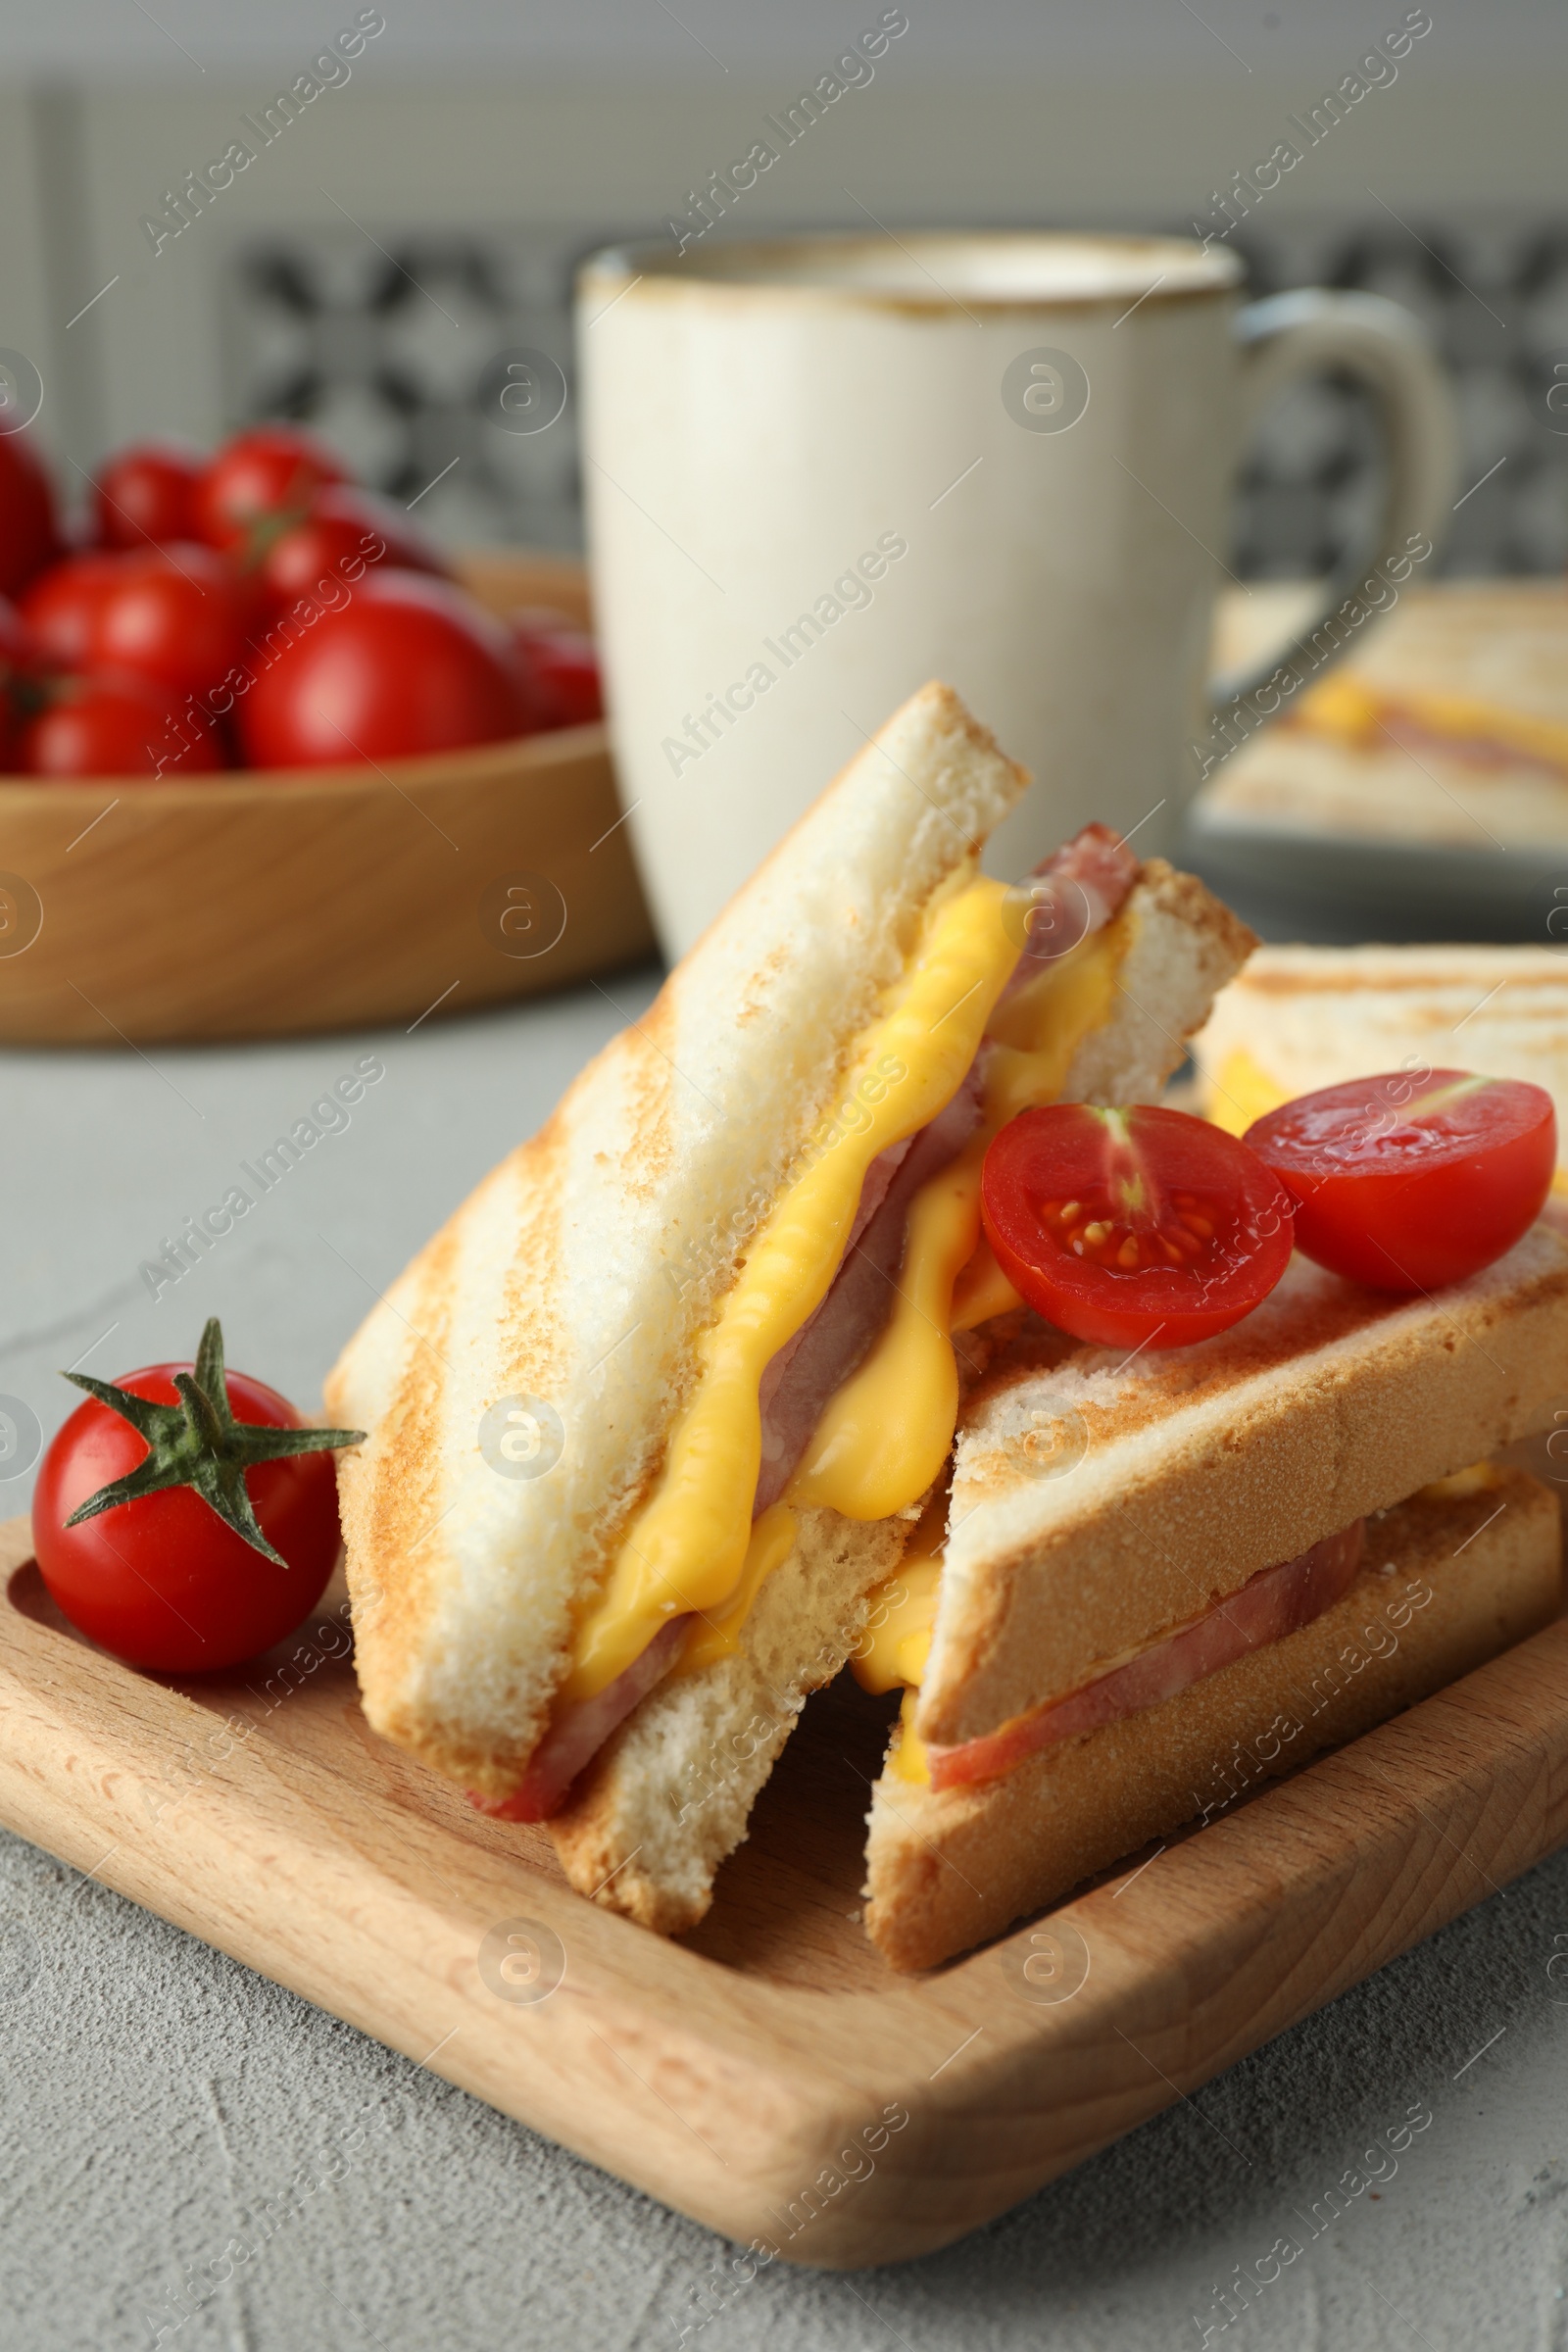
(582, 1271)
(1101, 1499)
(1447, 1585)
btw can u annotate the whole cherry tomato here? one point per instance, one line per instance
(17, 661)
(117, 725)
(1409, 1182)
(559, 670)
(214, 1568)
(268, 468)
(406, 664)
(341, 533)
(30, 534)
(1133, 1228)
(172, 614)
(147, 493)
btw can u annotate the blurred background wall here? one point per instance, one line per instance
(426, 210)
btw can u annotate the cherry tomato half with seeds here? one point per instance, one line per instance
(1406, 1182)
(168, 1577)
(1140, 1227)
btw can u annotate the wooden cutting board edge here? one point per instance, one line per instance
(756, 2106)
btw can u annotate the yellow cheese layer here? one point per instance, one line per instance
(1243, 1092)
(1478, 1479)
(897, 1642)
(907, 1761)
(886, 1433)
(686, 1549)
(719, 1637)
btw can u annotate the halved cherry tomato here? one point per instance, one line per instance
(1142, 1227)
(1406, 1182)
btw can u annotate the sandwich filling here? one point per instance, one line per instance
(1273, 1603)
(828, 1376)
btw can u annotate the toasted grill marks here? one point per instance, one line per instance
(649, 1077)
(393, 1568)
(1291, 972)
(531, 1348)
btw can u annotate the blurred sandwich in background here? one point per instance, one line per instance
(1446, 723)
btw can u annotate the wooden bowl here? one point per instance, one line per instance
(273, 902)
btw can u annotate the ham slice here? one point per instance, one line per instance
(1076, 891)
(579, 1733)
(833, 1342)
(1093, 875)
(1274, 1602)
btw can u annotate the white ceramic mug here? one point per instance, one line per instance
(820, 470)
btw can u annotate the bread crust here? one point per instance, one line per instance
(948, 1869)
(1203, 1464)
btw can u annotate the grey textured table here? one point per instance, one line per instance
(158, 2099)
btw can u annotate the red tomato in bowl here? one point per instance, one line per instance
(1139, 1227)
(125, 726)
(267, 470)
(30, 534)
(406, 664)
(559, 670)
(162, 1580)
(342, 532)
(1407, 1182)
(147, 493)
(170, 614)
(17, 657)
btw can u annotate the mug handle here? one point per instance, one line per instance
(1389, 351)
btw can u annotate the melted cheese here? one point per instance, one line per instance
(908, 1759)
(886, 1434)
(686, 1549)
(982, 1290)
(1352, 712)
(897, 1642)
(1478, 1479)
(713, 1637)
(1243, 1092)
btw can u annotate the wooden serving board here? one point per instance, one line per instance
(767, 2075)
